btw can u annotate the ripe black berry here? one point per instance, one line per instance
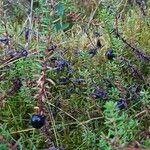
(99, 45)
(64, 81)
(93, 52)
(37, 121)
(97, 34)
(78, 81)
(109, 54)
(100, 94)
(24, 53)
(5, 41)
(52, 48)
(27, 35)
(121, 104)
(61, 64)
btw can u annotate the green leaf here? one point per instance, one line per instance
(3, 147)
(61, 27)
(60, 9)
(58, 27)
(65, 26)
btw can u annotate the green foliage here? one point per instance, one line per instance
(75, 118)
(119, 126)
(61, 27)
(3, 147)
(117, 131)
(60, 9)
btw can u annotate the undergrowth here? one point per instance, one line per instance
(82, 65)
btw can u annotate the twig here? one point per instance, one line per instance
(138, 52)
(30, 25)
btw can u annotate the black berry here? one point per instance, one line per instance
(61, 64)
(37, 121)
(64, 81)
(24, 53)
(109, 54)
(99, 94)
(5, 41)
(121, 104)
(93, 52)
(98, 44)
(79, 81)
(97, 34)
(27, 35)
(52, 48)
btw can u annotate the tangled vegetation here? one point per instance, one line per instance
(74, 75)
